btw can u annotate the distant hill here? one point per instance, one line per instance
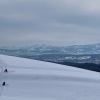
(47, 49)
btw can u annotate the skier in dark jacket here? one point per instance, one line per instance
(3, 84)
(5, 70)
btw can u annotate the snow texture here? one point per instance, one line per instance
(36, 80)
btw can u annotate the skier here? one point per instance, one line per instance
(3, 84)
(5, 70)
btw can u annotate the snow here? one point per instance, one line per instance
(78, 58)
(37, 80)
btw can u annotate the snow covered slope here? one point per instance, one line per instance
(37, 80)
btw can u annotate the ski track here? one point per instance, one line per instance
(37, 80)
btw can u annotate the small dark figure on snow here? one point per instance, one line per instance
(5, 70)
(3, 84)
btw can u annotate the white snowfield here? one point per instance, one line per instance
(36, 80)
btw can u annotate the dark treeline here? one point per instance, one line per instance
(88, 66)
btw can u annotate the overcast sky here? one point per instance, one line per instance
(54, 22)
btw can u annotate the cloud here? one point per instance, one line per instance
(56, 22)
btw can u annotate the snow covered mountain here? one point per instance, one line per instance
(47, 49)
(36, 80)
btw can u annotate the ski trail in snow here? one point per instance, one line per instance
(2, 75)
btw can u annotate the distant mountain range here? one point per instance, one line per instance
(47, 49)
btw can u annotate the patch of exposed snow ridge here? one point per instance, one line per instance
(37, 80)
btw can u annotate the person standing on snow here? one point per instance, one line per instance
(5, 70)
(3, 84)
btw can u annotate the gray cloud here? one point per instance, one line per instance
(57, 22)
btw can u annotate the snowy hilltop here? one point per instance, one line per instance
(36, 80)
